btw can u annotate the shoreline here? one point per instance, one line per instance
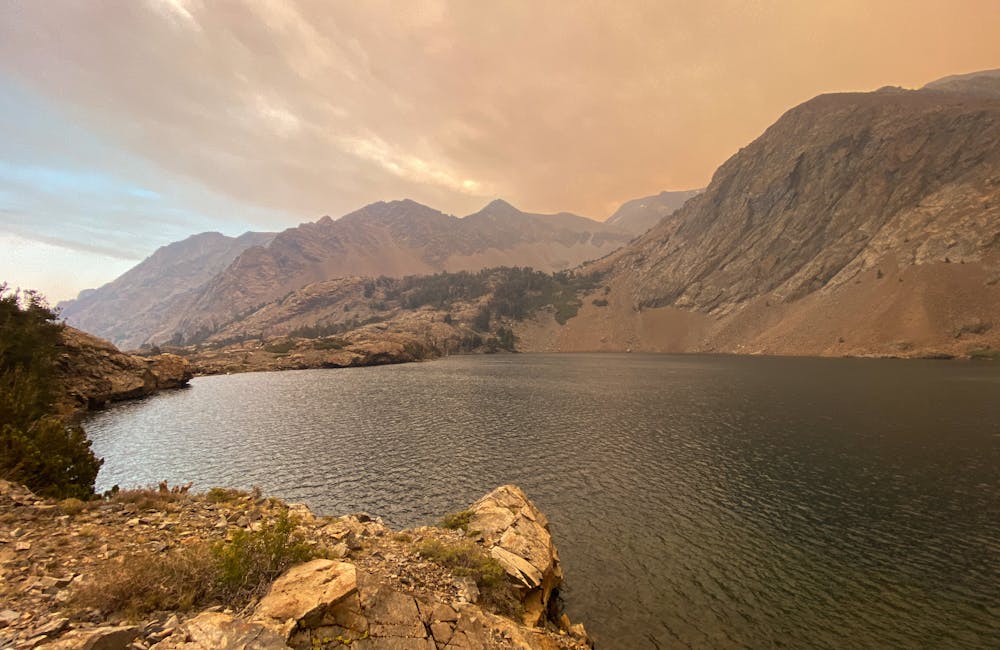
(85, 573)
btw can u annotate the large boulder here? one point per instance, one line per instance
(315, 594)
(516, 534)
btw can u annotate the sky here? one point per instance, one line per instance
(128, 124)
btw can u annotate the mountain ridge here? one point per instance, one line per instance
(639, 215)
(883, 205)
(393, 238)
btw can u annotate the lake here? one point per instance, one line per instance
(697, 501)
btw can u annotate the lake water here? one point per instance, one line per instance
(697, 501)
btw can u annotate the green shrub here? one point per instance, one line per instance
(466, 558)
(37, 448)
(457, 520)
(253, 559)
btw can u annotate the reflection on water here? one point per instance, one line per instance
(696, 501)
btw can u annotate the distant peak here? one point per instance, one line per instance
(499, 204)
(497, 208)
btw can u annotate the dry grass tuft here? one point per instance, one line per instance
(149, 582)
(466, 558)
(232, 573)
(224, 495)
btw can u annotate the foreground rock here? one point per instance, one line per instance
(374, 589)
(516, 534)
(94, 372)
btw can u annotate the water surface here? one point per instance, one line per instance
(697, 501)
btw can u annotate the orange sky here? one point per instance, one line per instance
(296, 109)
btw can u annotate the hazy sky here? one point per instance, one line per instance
(128, 124)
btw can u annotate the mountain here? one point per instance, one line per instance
(985, 84)
(122, 310)
(190, 289)
(859, 223)
(639, 215)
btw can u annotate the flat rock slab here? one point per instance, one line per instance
(216, 631)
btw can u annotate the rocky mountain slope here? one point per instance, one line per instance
(193, 287)
(639, 215)
(393, 239)
(859, 223)
(985, 84)
(145, 569)
(122, 310)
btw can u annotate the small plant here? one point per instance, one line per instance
(466, 558)
(457, 520)
(72, 506)
(224, 495)
(404, 538)
(253, 559)
(149, 498)
(988, 354)
(599, 302)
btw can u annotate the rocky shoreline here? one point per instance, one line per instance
(66, 567)
(93, 373)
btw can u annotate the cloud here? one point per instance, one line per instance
(298, 108)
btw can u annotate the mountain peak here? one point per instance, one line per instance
(499, 205)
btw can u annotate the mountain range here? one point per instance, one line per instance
(194, 286)
(857, 224)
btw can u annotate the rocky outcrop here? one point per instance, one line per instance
(93, 372)
(378, 590)
(516, 534)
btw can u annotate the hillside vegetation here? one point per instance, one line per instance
(37, 447)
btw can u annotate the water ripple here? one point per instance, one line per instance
(702, 502)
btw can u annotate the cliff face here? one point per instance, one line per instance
(126, 310)
(93, 372)
(859, 223)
